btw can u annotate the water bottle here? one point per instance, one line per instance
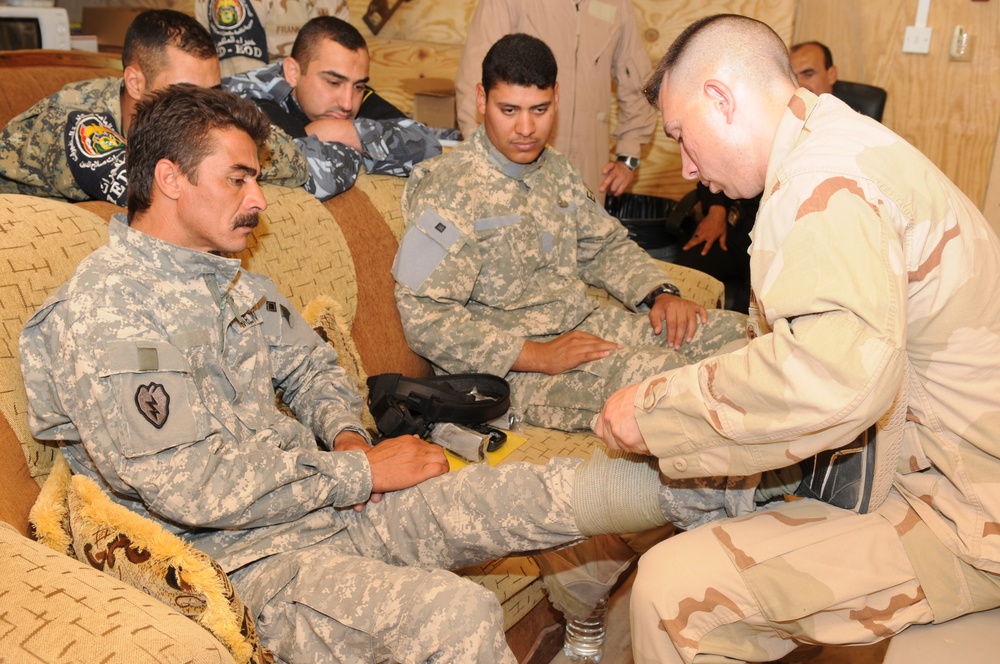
(584, 641)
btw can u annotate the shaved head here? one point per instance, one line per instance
(748, 48)
(722, 89)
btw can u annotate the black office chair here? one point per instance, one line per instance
(863, 98)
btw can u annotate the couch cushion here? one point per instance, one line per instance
(302, 250)
(56, 609)
(377, 331)
(41, 241)
(140, 552)
(19, 489)
(36, 83)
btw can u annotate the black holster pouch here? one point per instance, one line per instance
(402, 405)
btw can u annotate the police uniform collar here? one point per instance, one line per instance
(167, 257)
(504, 165)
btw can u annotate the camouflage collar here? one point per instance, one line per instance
(789, 132)
(502, 163)
(165, 257)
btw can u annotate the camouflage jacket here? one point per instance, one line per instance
(156, 367)
(496, 252)
(877, 302)
(390, 147)
(70, 145)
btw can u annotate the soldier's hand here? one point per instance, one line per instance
(404, 461)
(681, 317)
(616, 424)
(710, 229)
(617, 178)
(565, 352)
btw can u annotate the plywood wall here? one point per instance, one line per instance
(424, 39)
(950, 110)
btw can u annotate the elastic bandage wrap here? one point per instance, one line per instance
(617, 492)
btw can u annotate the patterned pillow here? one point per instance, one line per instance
(143, 554)
(49, 516)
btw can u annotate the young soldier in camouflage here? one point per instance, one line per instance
(156, 365)
(72, 144)
(320, 96)
(876, 309)
(502, 239)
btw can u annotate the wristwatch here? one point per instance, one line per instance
(660, 290)
(631, 162)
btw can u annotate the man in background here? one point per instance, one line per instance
(71, 144)
(813, 65)
(319, 95)
(596, 42)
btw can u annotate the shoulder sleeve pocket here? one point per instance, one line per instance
(153, 384)
(424, 245)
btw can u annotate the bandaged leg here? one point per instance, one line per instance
(619, 492)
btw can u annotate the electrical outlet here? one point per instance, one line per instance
(917, 40)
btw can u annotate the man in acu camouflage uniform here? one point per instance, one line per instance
(72, 144)
(502, 239)
(320, 96)
(877, 309)
(156, 366)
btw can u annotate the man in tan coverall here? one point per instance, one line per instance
(594, 41)
(876, 308)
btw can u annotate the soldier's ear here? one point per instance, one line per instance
(167, 178)
(721, 98)
(291, 70)
(135, 82)
(481, 99)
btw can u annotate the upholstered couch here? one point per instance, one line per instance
(328, 255)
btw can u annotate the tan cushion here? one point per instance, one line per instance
(377, 330)
(23, 87)
(18, 490)
(42, 241)
(302, 250)
(57, 610)
(141, 553)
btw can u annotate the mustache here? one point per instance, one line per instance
(250, 220)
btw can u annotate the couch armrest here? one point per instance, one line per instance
(58, 610)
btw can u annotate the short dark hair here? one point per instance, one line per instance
(827, 55)
(519, 59)
(176, 124)
(325, 27)
(765, 50)
(151, 32)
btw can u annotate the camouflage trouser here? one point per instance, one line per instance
(753, 588)
(570, 400)
(377, 590)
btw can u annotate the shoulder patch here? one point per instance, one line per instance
(95, 152)
(153, 403)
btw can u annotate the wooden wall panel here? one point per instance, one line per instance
(949, 110)
(423, 40)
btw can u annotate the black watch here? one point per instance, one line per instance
(660, 290)
(631, 162)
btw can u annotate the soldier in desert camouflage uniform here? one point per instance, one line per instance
(156, 365)
(72, 144)
(502, 239)
(877, 309)
(320, 96)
